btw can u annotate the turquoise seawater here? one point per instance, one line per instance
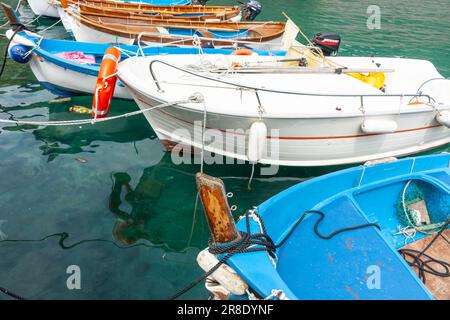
(112, 186)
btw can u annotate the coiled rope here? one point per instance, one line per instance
(423, 262)
(260, 242)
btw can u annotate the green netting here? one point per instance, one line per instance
(437, 204)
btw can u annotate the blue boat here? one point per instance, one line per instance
(341, 232)
(68, 68)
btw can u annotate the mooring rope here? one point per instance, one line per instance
(63, 236)
(98, 120)
(258, 242)
(424, 262)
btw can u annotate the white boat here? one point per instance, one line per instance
(296, 116)
(48, 8)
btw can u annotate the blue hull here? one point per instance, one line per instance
(313, 268)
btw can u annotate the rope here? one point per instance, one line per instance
(421, 229)
(63, 236)
(11, 294)
(91, 121)
(5, 55)
(423, 262)
(48, 28)
(258, 242)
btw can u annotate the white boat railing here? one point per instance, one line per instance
(416, 95)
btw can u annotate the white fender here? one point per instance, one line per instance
(379, 126)
(257, 139)
(224, 275)
(443, 118)
(18, 39)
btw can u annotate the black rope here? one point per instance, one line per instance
(423, 262)
(11, 294)
(19, 28)
(63, 236)
(260, 242)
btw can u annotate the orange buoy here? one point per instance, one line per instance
(106, 83)
(242, 52)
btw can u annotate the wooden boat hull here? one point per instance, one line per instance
(234, 16)
(145, 7)
(185, 13)
(90, 28)
(49, 8)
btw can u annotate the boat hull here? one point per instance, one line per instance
(48, 8)
(344, 264)
(66, 82)
(84, 32)
(295, 141)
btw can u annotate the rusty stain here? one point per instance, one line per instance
(331, 258)
(353, 293)
(348, 244)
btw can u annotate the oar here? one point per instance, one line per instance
(289, 69)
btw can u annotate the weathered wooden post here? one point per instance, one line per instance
(224, 281)
(218, 214)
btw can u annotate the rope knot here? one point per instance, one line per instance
(197, 97)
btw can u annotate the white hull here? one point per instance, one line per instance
(65, 19)
(311, 131)
(47, 8)
(52, 75)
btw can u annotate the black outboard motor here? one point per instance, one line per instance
(328, 42)
(251, 9)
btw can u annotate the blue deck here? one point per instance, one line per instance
(312, 268)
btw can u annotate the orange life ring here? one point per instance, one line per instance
(242, 52)
(106, 83)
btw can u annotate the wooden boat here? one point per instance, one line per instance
(347, 235)
(191, 12)
(93, 28)
(49, 8)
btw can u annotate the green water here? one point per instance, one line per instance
(114, 182)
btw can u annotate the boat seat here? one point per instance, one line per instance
(204, 33)
(339, 268)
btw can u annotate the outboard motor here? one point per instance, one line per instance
(251, 9)
(328, 42)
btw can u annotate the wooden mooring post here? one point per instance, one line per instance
(218, 214)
